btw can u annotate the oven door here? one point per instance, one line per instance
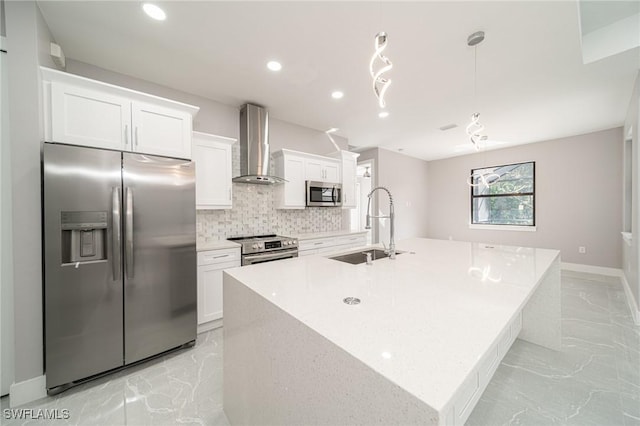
(252, 259)
(323, 194)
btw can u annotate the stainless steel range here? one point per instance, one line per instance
(266, 248)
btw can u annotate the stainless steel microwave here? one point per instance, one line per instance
(324, 194)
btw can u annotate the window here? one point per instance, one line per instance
(507, 196)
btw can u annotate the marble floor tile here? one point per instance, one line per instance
(183, 387)
(593, 380)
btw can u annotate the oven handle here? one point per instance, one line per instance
(247, 260)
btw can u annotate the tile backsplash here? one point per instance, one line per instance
(254, 213)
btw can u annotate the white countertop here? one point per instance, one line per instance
(217, 245)
(327, 234)
(426, 318)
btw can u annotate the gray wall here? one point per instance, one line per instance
(293, 136)
(407, 179)
(6, 243)
(632, 251)
(26, 35)
(578, 197)
(3, 22)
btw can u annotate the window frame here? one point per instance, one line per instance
(476, 225)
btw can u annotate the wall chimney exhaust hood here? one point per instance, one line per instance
(254, 147)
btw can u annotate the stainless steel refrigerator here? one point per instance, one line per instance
(119, 259)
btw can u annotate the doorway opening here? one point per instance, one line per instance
(364, 184)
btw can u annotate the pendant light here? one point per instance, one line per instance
(380, 83)
(474, 128)
(366, 173)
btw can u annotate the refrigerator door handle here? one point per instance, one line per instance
(116, 260)
(128, 233)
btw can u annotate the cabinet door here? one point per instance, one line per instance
(349, 183)
(161, 131)
(332, 172)
(210, 291)
(294, 188)
(86, 117)
(314, 170)
(213, 173)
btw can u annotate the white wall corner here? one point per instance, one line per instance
(27, 391)
(590, 269)
(633, 307)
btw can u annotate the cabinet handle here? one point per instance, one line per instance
(220, 257)
(317, 244)
(126, 134)
(136, 135)
(229, 194)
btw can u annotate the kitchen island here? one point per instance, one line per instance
(420, 347)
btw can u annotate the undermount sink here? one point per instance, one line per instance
(361, 256)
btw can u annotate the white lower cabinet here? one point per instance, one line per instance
(328, 245)
(471, 390)
(211, 264)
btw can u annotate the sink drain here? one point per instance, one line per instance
(351, 300)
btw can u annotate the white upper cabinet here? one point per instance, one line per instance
(87, 112)
(290, 166)
(161, 130)
(213, 157)
(298, 167)
(82, 116)
(349, 166)
(322, 169)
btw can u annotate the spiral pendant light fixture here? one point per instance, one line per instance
(380, 83)
(474, 128)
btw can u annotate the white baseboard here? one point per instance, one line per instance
(208, 326)
(635, 312)
(600, 270)
(27, 391)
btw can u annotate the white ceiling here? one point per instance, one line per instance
(532, 84)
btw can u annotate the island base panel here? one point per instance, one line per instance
(541, 323)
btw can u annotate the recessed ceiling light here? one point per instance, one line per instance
(274, 65)
(154, 11)
(383, 114)
(337, 95)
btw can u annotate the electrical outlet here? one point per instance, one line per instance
(582, 250)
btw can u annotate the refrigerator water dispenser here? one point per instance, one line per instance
(83, 236)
